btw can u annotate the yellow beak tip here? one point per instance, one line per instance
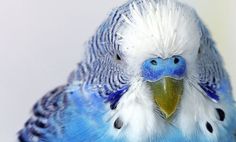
(167, 95)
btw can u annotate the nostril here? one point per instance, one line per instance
(176, 60)
(153, 62)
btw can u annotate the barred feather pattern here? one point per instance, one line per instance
(101, 66)
(211, 72)
(51, 107)
(211, 69)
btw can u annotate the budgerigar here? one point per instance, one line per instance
(152, 73)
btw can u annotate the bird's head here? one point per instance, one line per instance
(155, 59)
(150, 46)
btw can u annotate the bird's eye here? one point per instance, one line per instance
(118, 57)
(199, 51)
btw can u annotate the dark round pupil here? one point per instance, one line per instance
(176, 60)
(154, 62)
(118, 57)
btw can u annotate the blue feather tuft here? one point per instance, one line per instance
(114, 97)
(210, 91)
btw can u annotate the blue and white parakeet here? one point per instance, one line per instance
(151, 73)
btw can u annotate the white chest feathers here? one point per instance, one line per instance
(136, 117)
(136, 113)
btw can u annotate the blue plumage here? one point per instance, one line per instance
(114, 97)
(107, 98)
(210, 90)
(67, 117)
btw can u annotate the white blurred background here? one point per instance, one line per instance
(41, 42)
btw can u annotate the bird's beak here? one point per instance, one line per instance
(167, 94)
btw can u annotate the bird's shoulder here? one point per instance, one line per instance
(39, 125)
(67, 113)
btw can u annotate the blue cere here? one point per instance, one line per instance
(156, 68)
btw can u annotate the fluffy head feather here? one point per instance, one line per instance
(159, 29)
